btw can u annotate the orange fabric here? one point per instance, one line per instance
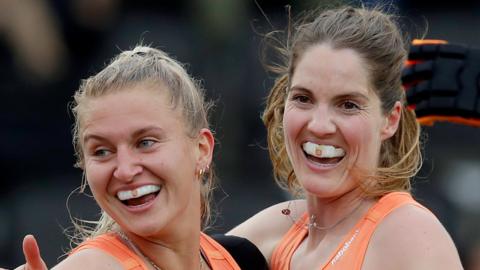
(351, 251)
(216, 255)
(113, 245)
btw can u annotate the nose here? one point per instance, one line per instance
(128, 165)
(322, 122)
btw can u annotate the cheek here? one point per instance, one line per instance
(178, 168)
(292, 123)
(291, 128)
(363, 139)
(97, 178)
(356, 133)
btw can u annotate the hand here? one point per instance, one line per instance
(442, 82)
(32, 255)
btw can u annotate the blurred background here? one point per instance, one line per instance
(47, 46)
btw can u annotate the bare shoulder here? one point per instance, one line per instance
(89, 259)
(266, 228)
(411, 238)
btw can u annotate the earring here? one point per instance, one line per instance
(204, 170)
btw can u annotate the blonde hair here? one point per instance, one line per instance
(138, 66)
(375, 35)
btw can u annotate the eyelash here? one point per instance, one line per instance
(102, 152)
(349, 102)
(149, 142)
(300, 98)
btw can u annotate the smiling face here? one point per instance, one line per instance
(333, 121)
(140, 163)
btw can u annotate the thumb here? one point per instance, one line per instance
(32, 254)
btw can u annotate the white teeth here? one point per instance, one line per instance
(138, 192)
(322, 151)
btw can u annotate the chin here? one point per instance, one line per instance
(144, 228)
(323, 187)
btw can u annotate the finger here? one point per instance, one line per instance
(423, 52)
(32, 254)
(412, 74)
(425, 49)
(432, 51)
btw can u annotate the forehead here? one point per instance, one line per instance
(132, 106)
(322, 66)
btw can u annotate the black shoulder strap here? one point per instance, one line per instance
(245, 253)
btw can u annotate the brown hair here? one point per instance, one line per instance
(142, 65)
(375, 35)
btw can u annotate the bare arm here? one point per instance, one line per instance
(85, 259)
(266, 228)
(411, 238)
(89, 259)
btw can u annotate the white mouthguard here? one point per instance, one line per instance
(322, 151)
(138, 192)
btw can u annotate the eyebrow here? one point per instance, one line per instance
(137, 133)
(147, 129)
(299, 88)
(351, 94)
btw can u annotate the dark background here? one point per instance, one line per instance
(46, 47)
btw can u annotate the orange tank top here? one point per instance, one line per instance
(217, 257)
(351, 251)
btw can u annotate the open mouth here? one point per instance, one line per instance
(139, 196)
(323, 154)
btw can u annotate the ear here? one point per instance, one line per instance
(392, 121)
(206, 143)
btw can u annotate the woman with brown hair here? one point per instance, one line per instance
(339, 134)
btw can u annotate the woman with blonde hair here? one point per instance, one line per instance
(142, 139)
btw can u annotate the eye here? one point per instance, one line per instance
(349, 105)
(102, 152)
(146, 143)
(300, 98)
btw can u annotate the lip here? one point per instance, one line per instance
(141, 208)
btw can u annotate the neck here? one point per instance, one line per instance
(176, 245)
(182, 253)
(335, 216)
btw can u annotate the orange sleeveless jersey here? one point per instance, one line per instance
(351, 252)
(217, 257)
